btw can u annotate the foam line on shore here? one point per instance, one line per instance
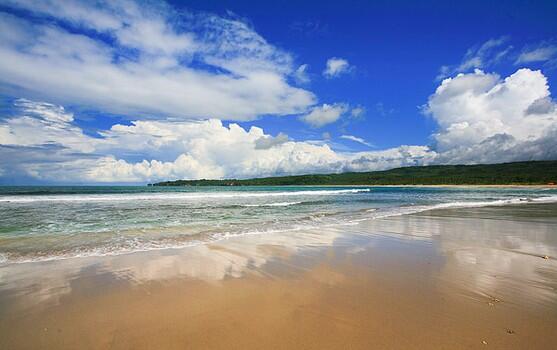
(174, 196)
(455, 205)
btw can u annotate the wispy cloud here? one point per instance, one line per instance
(356, 139)
(145, 59)
(309, 28)
(335, 67)
(541, 53)
(301, 74)
(358, 112)
(382, 110)
(480, 56)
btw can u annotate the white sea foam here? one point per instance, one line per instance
(455, 205)
(276, 204)
(172, 196)
(136, 247)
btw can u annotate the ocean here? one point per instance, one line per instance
(61, 222)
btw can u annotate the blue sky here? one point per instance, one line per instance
(396, 48)
(134, 92)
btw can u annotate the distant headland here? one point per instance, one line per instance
(516, 173)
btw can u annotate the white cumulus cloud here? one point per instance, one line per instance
(160, 149)
(483, 118)
(266, 142)
(325, 114)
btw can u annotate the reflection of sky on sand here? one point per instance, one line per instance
(509, 267)
(490, 255)
(36, 283)
(484, 255)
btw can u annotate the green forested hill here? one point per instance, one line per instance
(533, 172)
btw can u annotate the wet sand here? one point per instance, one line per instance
(446, 279)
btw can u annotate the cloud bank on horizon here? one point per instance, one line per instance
(178, 75)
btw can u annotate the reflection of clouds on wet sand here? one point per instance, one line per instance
(404, 227)
(36, 283)
(487, 255)
(228, 258)
(504, 274)
(516, 274)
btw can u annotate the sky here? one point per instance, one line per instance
(134, 92)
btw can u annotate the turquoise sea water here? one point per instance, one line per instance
(45, 223)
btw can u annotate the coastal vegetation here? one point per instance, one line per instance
(517, 173)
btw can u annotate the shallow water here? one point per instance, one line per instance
(46, 223)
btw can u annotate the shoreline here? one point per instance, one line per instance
(411, 210)
(372, 185)
(425, 186)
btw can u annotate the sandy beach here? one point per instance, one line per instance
(443, 279)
